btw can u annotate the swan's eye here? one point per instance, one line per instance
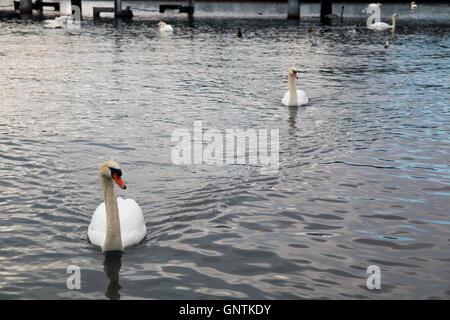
(116, 171)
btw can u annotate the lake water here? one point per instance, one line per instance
(363, 175)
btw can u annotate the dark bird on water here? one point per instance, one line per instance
(239, 33)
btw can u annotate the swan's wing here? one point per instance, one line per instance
(132, 224)
(51, 24)
(285, 100)
(97, 228)
(62, 18)
(301, 97)
(380, 26)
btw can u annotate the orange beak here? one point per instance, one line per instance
(119, 181)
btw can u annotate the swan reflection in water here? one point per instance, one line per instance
(292, 120)
(112, 265)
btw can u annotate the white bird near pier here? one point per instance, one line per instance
(57, 23)
(381, 26)
(294, 97)
(165, 28)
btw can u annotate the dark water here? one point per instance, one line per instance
(363, 176)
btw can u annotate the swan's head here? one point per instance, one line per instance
(379, 4)
(293, 72)
(111, 170)
(395, 15)
(161, 25)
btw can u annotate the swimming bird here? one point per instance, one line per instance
(334, 16)
(315, 43)
(294, 97)
(57, 23)
(239, 33)
(386, 44)
(413, 5)
(309, 30)
(163, 27)
(116, 223)
(381, 26)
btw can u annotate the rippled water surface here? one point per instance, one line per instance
(363, 177)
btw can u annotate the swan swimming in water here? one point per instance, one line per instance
(57, 23)
(163, 27)
(381, 26)
(116, 223)
(294, 97)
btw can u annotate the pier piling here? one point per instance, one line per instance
(26, 7)
(117, 7)
(326, 7)
(294, 9)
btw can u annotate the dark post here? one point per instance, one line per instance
(78, 4)
(26, 7)
(294, 9)
(325, 7)
(117, 8)
(190, 10)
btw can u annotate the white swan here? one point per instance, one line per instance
(163, 27)
(294, 97)
(57, 23)
(413, 5)
(381, 26)
(116, 223)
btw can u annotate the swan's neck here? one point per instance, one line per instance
(113, 240)
(292, 91)
(393, 22)
(342, 12)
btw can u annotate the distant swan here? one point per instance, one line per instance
(381, 26)
(335, 16)
(163, 27)
(413, 5)
(294, 97)
(57, 23)
(116, 223)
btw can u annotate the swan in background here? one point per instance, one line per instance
(57, 23)
(413, 5)
(334, 16)
(116, 223)
(163, 27)
(294, 97)
(381, 26)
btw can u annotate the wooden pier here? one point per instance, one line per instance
(26, 7)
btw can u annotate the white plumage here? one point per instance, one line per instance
(132, 225)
